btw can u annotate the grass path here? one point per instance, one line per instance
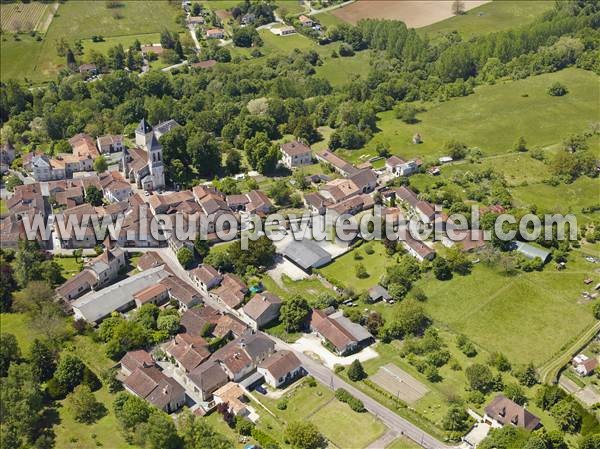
(549, 371)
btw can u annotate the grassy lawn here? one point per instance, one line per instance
(18, 325)
(68, 266)
(468, 119)
(327, 19)
(489, 18)
(342, 270)
(339, 71)
(339, 424)
(403, 443)
(3, 207)
(307, 288)
(513, 314)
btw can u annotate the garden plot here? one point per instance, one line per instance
(399, 383)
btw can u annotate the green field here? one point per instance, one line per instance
(39, 62)
(340, 71)
(496, 16)
(342, 270)
(328, 19)
(522, 316)
(403, 443)
(493, 118)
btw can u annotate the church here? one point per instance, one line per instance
(144, 163)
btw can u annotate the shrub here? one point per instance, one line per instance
(356, 371)
(243, 426)
(558, 90)
(265, 440)
(311, 382)
(354, 403)
(282, 404)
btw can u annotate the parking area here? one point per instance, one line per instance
(399, 383)
(311, 345)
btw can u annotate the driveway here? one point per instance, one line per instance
(310, 345)
(285, 267)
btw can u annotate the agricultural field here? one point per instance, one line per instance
(530, 307)
(492, 118)
(491, 17)
(413, 13)
(38, 61)
(25, 17)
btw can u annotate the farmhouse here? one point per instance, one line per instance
(399, 167)
(286, 30)
(502, 411)
(296, 154)
(281, 368)
(262, 309)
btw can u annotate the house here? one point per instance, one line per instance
(378, 293)
(205, 277)
(189, 351)
(200, 320)
(296, 154)
(584, 365)
(97, 305)
(339, 189)
(253, 202)
(144, 164)
(365, 180)
(151, 384)
(417, 248)
(399, 167)
(241, 356)
(502, 411)
(88, 70)
(99, 272)
(232, 395)
(207, 378)
(281, 368)
(180, 291)
(196, 20)
(316, 203)
(110, 143)
(84, 146)
(150, 259)
(339, 333)
(231, 292)
(467, 240)
(409, 200)
(133, 360)
(305, 21)
(228, 326)
(248, 18)
(307, 254)
(340, 165)
(262, 309)
(286, 30)
(154, 294)
(351, 206)
(151, 49)
(45, 169)
(215, 33)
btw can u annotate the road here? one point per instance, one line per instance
(329, 8)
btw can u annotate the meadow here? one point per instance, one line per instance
(492, 118)
(489, 18)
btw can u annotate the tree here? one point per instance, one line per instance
(84, 406)
(596, 310)
(185, 257)
(201, 246)
(441, 269)
(480, 377)
(406, 112)
(168, 323)
(458, 7)
(515, 393)
(458, 261)
(499, 361)
(42, 360)
(161, 433)
(294, 312)
(567, 415)
(13, 181)
(69, 372)
(360, 271)
(456, 419)
(131, 410)
(521, 145)
(558, 90)
(455, 149)
(280, 192)
(304, 435)
(548, 395)
(535, 442)
(527, 375)
(356, 371)
(590, 442)
(100, 164)
(9, 352)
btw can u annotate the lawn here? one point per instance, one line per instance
(403, 443)
(18, 325)
(328, 19)
(342, 270)
(68, 266)
(493, 117)
(339, 424)
(489, 18)
(340, 71)
(522, 316)
(310, 288)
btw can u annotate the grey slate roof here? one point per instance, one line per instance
(306, 254)
(144, 127)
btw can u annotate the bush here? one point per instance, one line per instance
(356, 371)
(243, 426)
(311, 382)
(354, 403)
(558, 90)
(282, 404)
(338, 368)
(55, 390)
(265, 440)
